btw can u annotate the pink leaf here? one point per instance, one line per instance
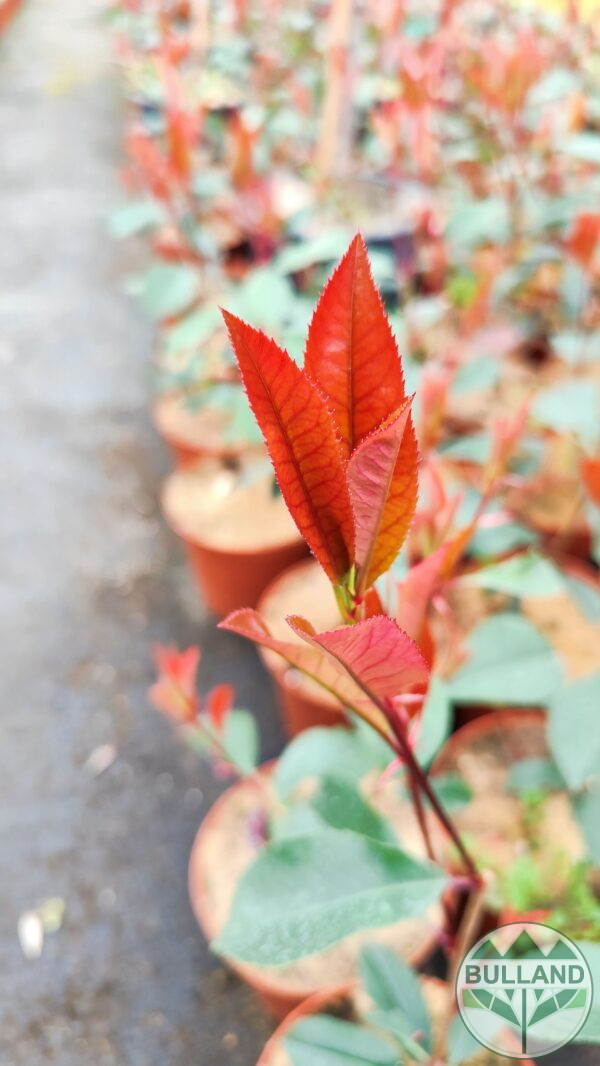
(379, 656)
(382, 476)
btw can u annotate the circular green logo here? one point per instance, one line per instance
(524, 990)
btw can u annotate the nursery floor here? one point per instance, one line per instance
(90, 580)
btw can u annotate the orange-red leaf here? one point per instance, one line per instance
(382, 477)
(312, 661)
(351, 352)
(379, 656)
(590, 473)
(301, 439)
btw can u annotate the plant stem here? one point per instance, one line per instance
(422, 781)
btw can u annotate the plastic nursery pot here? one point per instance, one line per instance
(226, 844)
(193, 434)
(238, 534)
(303, 589)
(435, 993)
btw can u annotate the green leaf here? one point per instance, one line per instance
(135, 218)
(590, 1033)
(573, 732)
(478, 375)
(451, 791)
(479, 222)
(586, 596)
(476, 448)
(340, 804)
(241, 740)
(193, 330)
(525, 575)
(461, 1044)
(587, 812)
(583, 146)
(571, 407)
(165, 290)
(436, 721)
(533, 775)
(392, 986)
(319, 752)
(321, 889)
(509, 663)
(327, 1041)
(328, 247)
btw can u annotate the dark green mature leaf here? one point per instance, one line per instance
(317, 752)
(327, 1041)
(135, 217)
(320, 889)
(393, 986)
(585, 595)
(573, 731)
(479, 222)
(509, 663)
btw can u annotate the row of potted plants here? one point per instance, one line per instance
(465, 599)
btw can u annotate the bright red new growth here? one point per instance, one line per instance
(379, 656)
(351, 353)
(301, 439)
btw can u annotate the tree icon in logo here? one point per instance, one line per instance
(524, 990)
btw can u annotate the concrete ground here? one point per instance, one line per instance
(90, 580)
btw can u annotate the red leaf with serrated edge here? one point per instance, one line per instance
(219, 702)
(351, 353)
(313, 662)
(379, 656)
(301, 439)
(382, 477)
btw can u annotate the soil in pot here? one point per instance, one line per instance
(305, 590)
(194, 432)
(235, 524)
(227, 844)
(500, 826)
(354, 1003)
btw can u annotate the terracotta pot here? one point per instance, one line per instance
(229, 578)
(315, 1004)
(520, 732)
(278, 994)
(300, 708)
(189, 443)
(273, 1055)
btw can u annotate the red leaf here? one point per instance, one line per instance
(382, 476)
(300, 436)
(423, 581)
(379, 656)
(313, 662)
(219, 702)
(174, 692)
(351, 352)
